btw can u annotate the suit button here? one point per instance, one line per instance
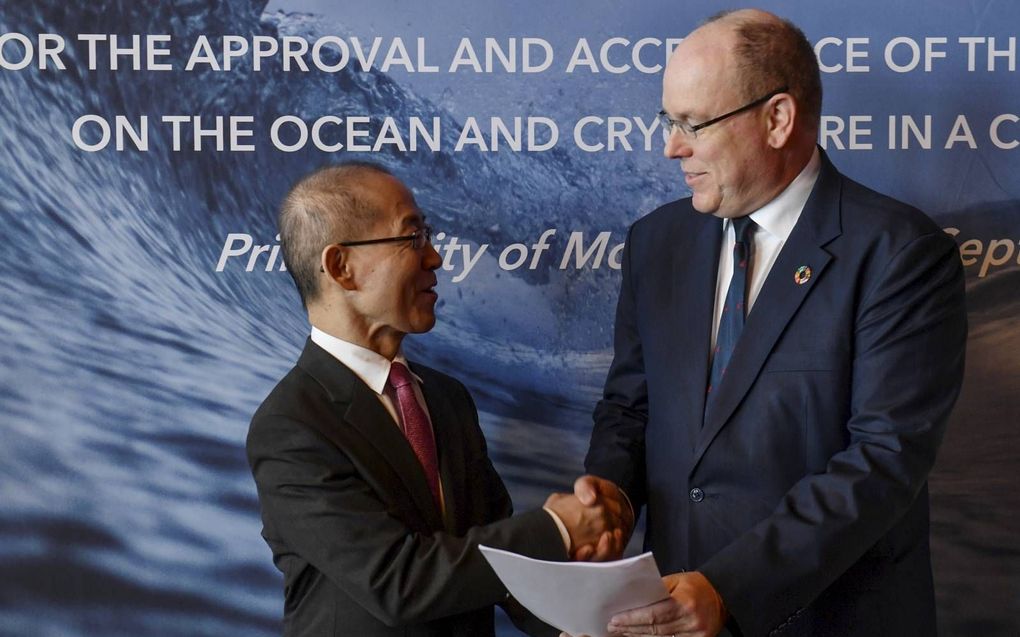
(697, 495)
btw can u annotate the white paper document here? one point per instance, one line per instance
(578, 597)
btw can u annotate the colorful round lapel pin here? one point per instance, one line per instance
(802, 275)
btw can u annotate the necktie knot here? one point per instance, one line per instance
(400, 376)
(742, 228)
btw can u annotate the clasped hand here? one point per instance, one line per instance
(598, 518)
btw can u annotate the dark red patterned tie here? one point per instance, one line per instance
(416, 426)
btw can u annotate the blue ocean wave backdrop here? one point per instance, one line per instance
(130, 366)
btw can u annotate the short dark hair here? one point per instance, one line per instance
(324, 207)
(772, 53)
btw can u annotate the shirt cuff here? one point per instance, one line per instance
(630, 506)
(561, 526)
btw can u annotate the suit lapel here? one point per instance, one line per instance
(695, 262)
(361, 410)
(366, 414)
(452, 471)
(780, 298)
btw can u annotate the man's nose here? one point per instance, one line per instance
(430, 258)
(678, 145)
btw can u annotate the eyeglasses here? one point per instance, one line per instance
(418, 239)
(670, 125)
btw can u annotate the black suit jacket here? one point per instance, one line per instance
(348, 514)
(801, 492)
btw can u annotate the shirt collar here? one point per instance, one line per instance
(371, 367)
(779, 216)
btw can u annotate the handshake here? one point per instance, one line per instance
(598, 518)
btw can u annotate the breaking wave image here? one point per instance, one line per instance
(133, 363)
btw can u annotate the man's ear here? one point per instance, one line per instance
(334, 261)
(782, 114)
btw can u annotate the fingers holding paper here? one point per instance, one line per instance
(693, 609)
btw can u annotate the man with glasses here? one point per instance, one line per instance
(372, 473)
(788, 347)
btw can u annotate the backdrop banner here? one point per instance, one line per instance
(145, 309)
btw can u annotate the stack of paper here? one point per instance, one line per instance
(578, 597)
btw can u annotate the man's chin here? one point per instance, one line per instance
(423, 324)
(713, 207)
(704, 205)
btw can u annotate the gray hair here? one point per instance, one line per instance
(324, 207)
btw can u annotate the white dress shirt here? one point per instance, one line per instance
(775, 221)
(373, 369)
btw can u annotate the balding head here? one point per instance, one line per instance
(770, 52)
(744, 131)
(328, 206)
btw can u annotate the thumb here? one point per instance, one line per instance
(586, 489)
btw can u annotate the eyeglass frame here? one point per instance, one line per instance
(670, 125)
(425, 231)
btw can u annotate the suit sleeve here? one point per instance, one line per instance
(525, 621)
(617, 448)
(325, 511)
(908, 343)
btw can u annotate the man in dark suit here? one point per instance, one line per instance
(788, 347)
(372, 472)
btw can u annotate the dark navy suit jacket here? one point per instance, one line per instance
(802, 492)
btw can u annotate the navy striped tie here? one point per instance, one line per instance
(731, 322)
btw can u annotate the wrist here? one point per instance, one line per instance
(564, 533)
